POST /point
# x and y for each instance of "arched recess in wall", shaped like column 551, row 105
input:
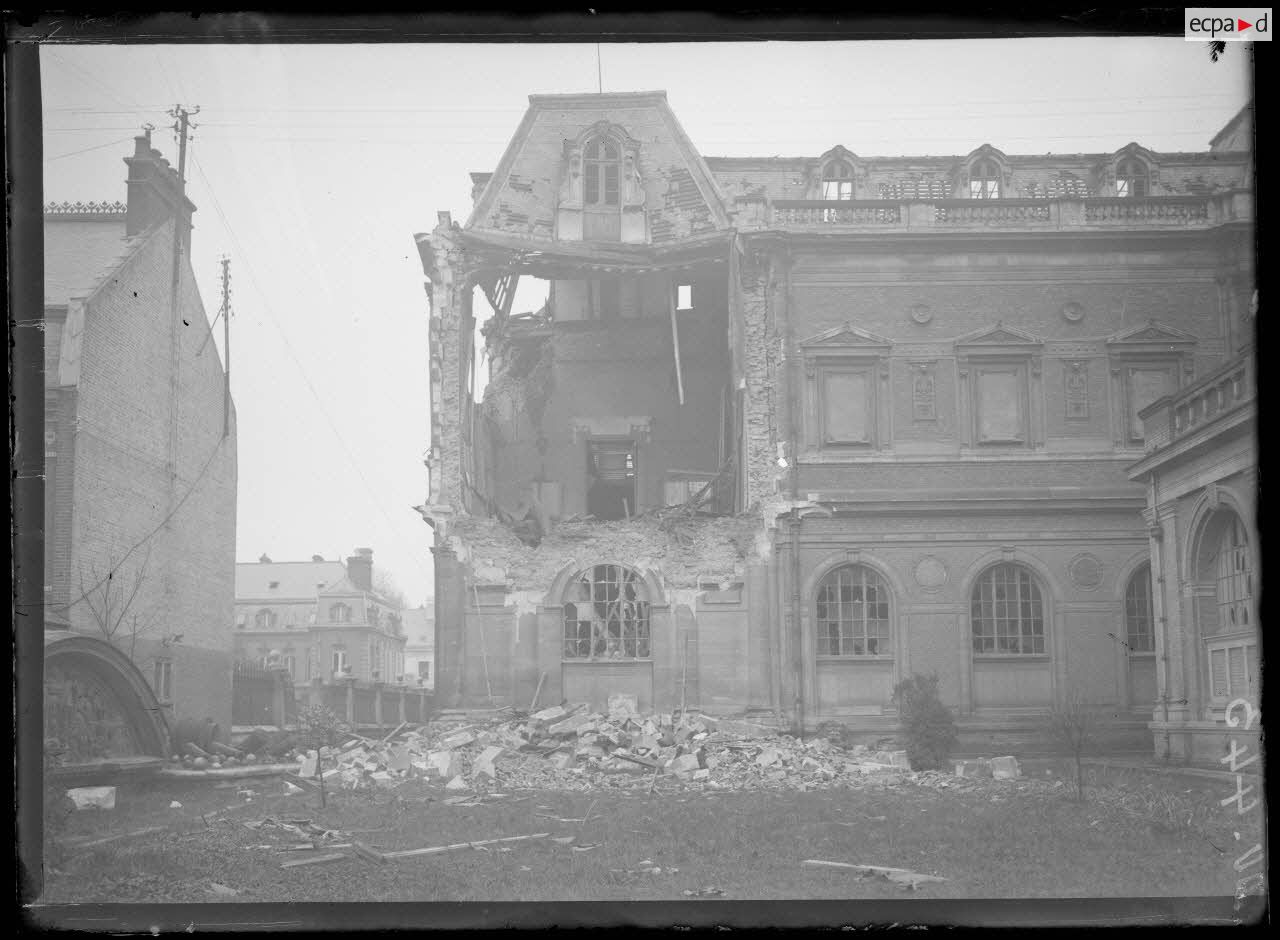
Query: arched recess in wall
column 1221, row 565
column 849, row 598
column 1012, row 631
column 1135, row 630
column 96, row 703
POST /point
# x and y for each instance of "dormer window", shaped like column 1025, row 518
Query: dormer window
column 837, row 181
column 264, row 619
column 602, row 167
column 339, row 613
column 984, row 180
column 1132, row 179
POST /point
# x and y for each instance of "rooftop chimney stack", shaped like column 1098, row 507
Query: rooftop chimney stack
column 154, row 191
column 360, row 569
column 317, row 558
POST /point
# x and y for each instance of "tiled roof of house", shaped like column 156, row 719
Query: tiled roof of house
column 296, row 580
column 80, row 251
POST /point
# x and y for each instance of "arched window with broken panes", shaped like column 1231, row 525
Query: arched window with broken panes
column 1132, row 178
column 852, row 608
column 1007, row 613
column 984, row 179
column 837, row 180
column 606, row 615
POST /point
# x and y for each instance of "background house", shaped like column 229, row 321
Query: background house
column 323, row 619
column 893, row 400
column 140, row 452
column 420, row 644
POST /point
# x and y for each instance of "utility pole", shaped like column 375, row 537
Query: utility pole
column 226, row 346
column 182, row 126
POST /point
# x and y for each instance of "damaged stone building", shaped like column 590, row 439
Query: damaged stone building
column 788, row 430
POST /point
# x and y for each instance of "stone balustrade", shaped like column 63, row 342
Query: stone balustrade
column 1175, row 416
column 1067, row 213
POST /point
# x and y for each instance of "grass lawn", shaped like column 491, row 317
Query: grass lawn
column 996, row 839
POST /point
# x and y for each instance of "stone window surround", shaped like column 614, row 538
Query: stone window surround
column 999, row 352
column 847, row 350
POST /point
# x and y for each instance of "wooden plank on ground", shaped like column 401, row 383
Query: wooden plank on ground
column 436, row 850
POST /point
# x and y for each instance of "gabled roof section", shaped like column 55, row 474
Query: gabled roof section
column 296, row 580
column 81, row 251
column 1135, row 149
column 847, row 337
column 682, row 199
column 998, row 336
column 1152, row 335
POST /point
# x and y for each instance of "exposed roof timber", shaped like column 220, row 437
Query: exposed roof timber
column 517, row 254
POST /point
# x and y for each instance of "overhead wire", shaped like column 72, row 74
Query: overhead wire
column 195, row 162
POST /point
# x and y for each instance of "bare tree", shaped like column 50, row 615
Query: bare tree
column 113, row 602
column 1072, row 725
column 385, row 586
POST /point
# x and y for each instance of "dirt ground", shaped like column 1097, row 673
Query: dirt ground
column 1137, row 835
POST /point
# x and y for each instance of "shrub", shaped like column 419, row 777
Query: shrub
column 927, row 723
column 1072, row 726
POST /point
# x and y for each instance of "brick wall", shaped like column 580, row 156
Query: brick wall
column 122, row 489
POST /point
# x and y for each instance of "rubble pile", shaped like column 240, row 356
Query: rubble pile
column 569, row 748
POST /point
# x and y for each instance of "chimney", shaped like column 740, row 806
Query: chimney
column 263, row 559
column 360, row 569
column 317, row 558
column 154, row 191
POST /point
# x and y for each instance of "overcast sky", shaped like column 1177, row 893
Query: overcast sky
column 313, row 166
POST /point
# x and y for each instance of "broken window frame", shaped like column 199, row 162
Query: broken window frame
column 984, row 179
column 837, row 181
column 1133, row 179
column 597, row 445
column 607, row 617
column 843, row 601
column 602, row 172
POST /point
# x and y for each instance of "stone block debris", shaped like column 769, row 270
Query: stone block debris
column 569, row 747
column 1005, row 768
column 93, row 797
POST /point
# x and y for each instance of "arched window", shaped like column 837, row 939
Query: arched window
column 606, row 615
column 984, row 179
column 1131, row 178
column 340, row 613
column 1008, row 612
column 602, row 168
column 837, row 180
column 853, row 613
column 264, row 619
column 1234, row 579
column 1138, row 622
column 1231, row 643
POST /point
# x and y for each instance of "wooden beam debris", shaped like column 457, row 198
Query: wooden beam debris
column 436, row 850
column 297, row 862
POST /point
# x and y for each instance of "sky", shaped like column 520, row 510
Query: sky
column 312, row 166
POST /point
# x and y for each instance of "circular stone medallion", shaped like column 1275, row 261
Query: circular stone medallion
column 921, row 313
column 930, row 573
column 1085, row 571
column 1073, row 311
